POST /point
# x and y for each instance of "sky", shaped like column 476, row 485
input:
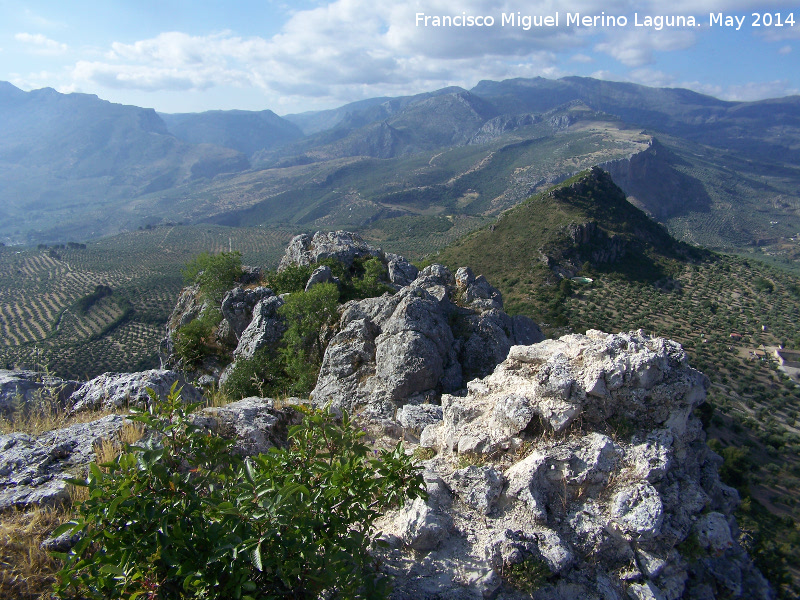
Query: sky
column 190, row 56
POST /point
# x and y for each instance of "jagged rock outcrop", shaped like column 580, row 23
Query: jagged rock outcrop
column 589, row 466
column 237, row 307
column 21, row 388
column 413, row 346
column 343, row 246
column 401, row 272
column 33, row 468
column 265, row 328
column 189, row 306
column 321, row 274
column 111, row 391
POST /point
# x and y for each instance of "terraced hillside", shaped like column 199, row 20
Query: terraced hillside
column 52, row 316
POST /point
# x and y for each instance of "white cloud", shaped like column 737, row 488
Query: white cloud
column 636, row 48
column 759, row 91
column 785, row 50
column 41, row 44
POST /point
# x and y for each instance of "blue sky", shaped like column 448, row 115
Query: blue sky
column 188, row 56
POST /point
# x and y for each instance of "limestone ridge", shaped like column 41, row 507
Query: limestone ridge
column 588, row 462
column 425, row 340
column 435, row 333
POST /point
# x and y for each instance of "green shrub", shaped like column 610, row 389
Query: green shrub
column 187, row 519
column 290, row 280
column 215, row 273
column 195, row 340
column 310, row 317
column 262, row 375
column 528, row 575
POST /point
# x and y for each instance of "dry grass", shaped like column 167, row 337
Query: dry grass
column 107, row 450
column 44, row 414
column 26, row 571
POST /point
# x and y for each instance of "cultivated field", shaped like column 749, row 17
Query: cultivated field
column 48, row 319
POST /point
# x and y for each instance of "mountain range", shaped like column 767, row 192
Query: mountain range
column 716, row 173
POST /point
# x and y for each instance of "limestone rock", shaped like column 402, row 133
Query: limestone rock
column 322, row 274
column 637, row 510
column 605, row 507
column 479, row 487
column 238, row 304
column 33, row 468
column 265, row 329
column 253, row 423
column 341, row 245
column 414, row 345
column 415, row 417
column 111, row 391
column 401, row 272
column 389, row 349
column 421, row 528
column 18, row 389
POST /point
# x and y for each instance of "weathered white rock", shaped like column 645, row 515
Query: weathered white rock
column 265, row 329
column 238, row 305
column 637, row 510
column 713, row 531
column 421, row 528
column 19, row 389
column 401, row 272
column 343, row 246
column 415, row 417
column 479, row 487
column 33, row 468
column 111, row 391
column 254, row 424
column 322, row 274
column 607, row 474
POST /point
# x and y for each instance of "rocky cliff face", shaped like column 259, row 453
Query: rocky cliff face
column 589, row 473
column 425, row 340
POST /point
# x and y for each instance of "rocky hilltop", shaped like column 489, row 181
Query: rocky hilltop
column 567, row 468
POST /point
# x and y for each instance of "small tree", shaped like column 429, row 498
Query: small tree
column 310, row 317
column 215, row 273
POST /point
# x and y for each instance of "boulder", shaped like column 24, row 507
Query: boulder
column 20, row 389
column 254, row 423
column 401, row 272
column 389, row 349
column 33, row 468
column 238, row 304
column 415, row 345
column 478, row 487
column 606, row 474
column 265, row 329
column 111, row 391
column 321, row 274
column 343, row 246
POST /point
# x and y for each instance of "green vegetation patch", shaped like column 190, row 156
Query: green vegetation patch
column 188, row 518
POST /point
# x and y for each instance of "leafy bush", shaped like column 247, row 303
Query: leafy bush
column 369, row 279
column 292, row 279
column 186, row 518
column 262, row 375
column 195, row 340
column 215, row 273
column 310, row 317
